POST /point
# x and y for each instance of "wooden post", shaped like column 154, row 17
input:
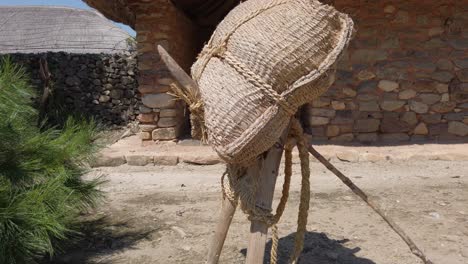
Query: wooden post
column 227, row 213
column 217, row 241
column 264, row 199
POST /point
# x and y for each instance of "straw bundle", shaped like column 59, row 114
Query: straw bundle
column 265, row 60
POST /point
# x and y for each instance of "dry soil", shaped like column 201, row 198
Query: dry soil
column 167, row 215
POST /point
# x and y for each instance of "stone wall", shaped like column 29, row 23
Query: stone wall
column 103, row 86
column 158, row 22
column 404, row 77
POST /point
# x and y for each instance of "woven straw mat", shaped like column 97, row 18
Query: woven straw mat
column 265, row 60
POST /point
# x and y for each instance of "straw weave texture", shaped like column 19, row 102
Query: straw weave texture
column 265, row 60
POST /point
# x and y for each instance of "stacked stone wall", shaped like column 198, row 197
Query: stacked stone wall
column 102, row 86
column 158, row 22
column 404, row 77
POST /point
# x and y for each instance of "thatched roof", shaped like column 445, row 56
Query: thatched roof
column 35, row 29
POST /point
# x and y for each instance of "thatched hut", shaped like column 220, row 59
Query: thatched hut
column 91, row 60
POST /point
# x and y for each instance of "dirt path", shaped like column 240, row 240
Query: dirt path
column 167, row 214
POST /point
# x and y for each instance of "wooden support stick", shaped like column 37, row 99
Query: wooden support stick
column 217, row 241
column 264, row 199
column 227, row 213
column 414, row 249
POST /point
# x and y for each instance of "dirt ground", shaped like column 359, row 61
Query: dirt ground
column 167, row 215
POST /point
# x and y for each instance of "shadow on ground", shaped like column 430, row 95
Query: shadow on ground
column 318, row 249
column 99, row 237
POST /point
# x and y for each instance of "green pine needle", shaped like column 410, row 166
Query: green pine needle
column 41, row 190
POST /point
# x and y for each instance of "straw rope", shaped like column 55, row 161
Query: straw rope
column 257, row 81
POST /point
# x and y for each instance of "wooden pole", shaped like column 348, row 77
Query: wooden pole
column 227, row 213
column 372, row 204
column 264, row 199
column 217, row 241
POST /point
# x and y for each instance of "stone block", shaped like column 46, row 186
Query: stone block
column 418, row 107
column 116, row 94
column 366, row 115
column 389, row 9
column 394, row 137
column 407, row 94
column 343, row 138
column 367, row 86
column 418, row 138
column 421, row 129
column 320, row 102
column 445, row 64
column 387, row 85
column 107, row 160
column 104, row 98
column 162, row 100
column 459, row 43
column 390, row 42
column 153, row 89
column 333, row 130
column 365, row 75
column 401, row 17
column 423, row 85
column 442, row 76
column 325, row 112
column 365, row 56
column 367, row 137
column 371, row 106
column 425, row 65
column 203, row 159
column 461, row 63
column 429, row 98
column 349, row 92
column 437, row 129
column 434, row 43
column 434, row 31
column 318, row 121
column 165, row 160
column 409, row 118
column 393, row 125
column 391, row 105
column 463, row 75
column 458, row 128
column 367, row 97
column 441, row 87
column 432, row 118
column 167, row 133
column 146, row 118
column 147, row 128
column 337, row 105
column 456, row 116
column 443, row 107
column 317, row 131
column 168, row 113
column 169, row 121
column 366, row 125
column 139, row 160
column 145, row 135
column 144, row 110
column 445, row 97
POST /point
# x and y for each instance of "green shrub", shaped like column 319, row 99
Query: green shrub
column 41, row 190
